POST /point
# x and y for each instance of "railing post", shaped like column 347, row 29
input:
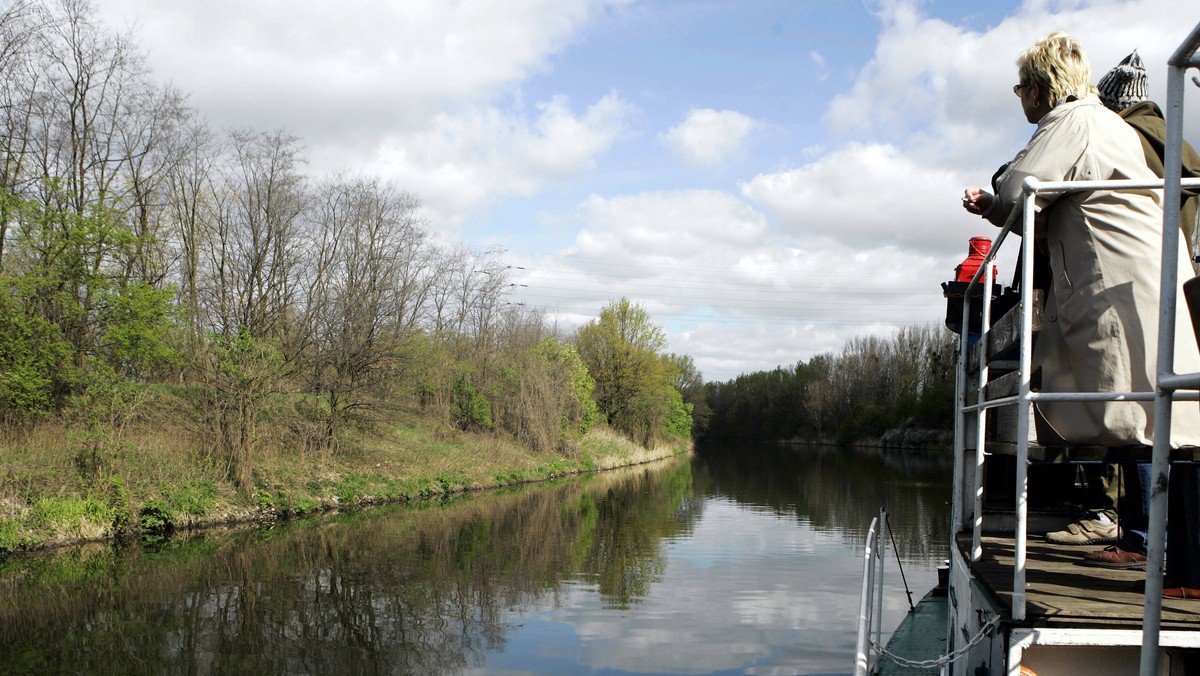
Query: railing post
column 862, row 657
column 881, row 540
column 1178, row 64
column 957, row 499
column 981, row 415
column 1021, row 490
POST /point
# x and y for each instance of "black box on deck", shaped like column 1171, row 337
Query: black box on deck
column 954, row 291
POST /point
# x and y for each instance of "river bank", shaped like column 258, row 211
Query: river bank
column 904, row 437
column 154, row 474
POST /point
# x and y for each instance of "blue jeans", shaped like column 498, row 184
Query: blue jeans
column 1135, row 517
column 1183, row 520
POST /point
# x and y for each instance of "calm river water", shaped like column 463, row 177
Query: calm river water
column 739, row 561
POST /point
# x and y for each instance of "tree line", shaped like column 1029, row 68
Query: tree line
column 140, row 246
column 875, row 385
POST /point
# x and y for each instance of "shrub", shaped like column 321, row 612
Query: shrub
column 468, row 408
column 154, row 517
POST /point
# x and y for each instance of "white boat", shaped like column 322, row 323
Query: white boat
column 1014, row 604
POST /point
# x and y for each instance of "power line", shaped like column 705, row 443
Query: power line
column 747, row 285
column 770, row 321
column 608, row 262
column 752, row 304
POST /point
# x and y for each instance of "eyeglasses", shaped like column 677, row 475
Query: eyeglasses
column 1018, row 87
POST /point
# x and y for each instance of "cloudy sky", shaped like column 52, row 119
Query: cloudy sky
column 766, row 177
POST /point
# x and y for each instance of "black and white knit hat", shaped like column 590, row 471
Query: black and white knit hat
column 1124, row 85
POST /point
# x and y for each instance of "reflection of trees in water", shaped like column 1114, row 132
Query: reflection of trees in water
column 391, row 590
column 839, row 489
column 422, row 588
column 625, row 555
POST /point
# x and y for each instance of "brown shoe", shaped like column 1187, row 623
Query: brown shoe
column 1190, row 593
column 1115, row 557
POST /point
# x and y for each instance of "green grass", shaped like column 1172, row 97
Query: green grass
column 11, row 535
column 170, row 475
column 72, row 516
column 194, row 497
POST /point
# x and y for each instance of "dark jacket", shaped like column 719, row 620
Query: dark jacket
column 1147, row 118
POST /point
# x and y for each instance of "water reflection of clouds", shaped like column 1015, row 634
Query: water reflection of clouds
column 729, row 532
column 749, row 591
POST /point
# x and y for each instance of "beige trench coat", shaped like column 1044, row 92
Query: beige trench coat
column 1101, row 328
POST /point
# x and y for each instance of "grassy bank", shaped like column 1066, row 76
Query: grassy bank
column 66, row 483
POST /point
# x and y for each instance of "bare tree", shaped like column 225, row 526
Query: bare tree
column 254, row 257
column 253, row 268
column 444, row 274
column 90, row 73
column 416, row 271
column 154, row 140
column 70, row 90
column 18, row 82
column 190, row 202
column 363, row 232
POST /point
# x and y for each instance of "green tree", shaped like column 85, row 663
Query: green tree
column 469, row 409
column 35, row 359
column 138, row 335
column 243, row 371
column 690, row 383
column 875, row 384
column 635, row 386
column 64, row 311
column 562, row 359
column 620, row 350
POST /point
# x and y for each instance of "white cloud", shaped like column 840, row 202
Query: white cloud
column 460, row 162
column 708, row 137
column 347, row 68
column 564, row 143
column 730, row 290
column 819, row 63
column 867, row 196
column 663, row 250
column 927, row 74
column 404, row 88
column 683, row 225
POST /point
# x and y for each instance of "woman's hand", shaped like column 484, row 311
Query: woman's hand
column 977, row 201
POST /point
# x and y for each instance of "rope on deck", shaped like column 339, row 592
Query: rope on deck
column 984, row 632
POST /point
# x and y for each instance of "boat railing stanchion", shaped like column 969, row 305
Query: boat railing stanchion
column 981, row 412
column 881, row 538
column 1021, row 490
column 862, row 657
column 1185, row 57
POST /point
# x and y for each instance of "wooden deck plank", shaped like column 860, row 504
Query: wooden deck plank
column 1062, row 592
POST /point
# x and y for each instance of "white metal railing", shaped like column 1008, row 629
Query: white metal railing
column 1170, row 386
column 870, row 602
column 1025, row 397
column 1177, row 65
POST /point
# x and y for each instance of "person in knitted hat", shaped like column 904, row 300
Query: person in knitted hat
column 1123, row 90
column 1124, row 85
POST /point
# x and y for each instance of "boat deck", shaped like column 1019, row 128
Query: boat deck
column 922, row 636
column 1062, row 592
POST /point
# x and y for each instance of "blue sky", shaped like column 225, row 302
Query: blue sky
column 768, row 178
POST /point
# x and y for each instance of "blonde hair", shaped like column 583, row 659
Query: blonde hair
column 1059, row 67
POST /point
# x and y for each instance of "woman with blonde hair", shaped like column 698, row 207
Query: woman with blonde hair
column 1101, row 316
